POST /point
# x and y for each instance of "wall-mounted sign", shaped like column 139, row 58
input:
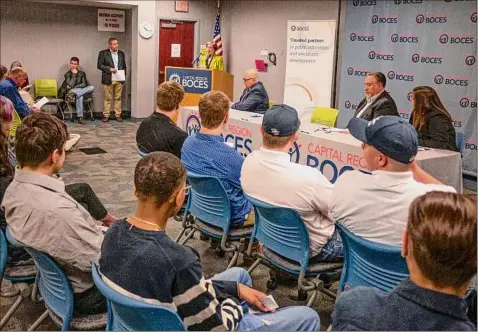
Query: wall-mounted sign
column 181, row 6
column 111, row 20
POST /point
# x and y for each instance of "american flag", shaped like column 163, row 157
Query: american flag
column 217, row 31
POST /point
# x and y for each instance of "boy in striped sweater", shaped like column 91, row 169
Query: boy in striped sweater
column 139, row 260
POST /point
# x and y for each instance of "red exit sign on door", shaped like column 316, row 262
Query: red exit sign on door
column 181, row 6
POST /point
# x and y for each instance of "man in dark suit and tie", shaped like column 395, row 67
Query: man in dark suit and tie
column 254, row 98
column 110, row 61
column 377, row 101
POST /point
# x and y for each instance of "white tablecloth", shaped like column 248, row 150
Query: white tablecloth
column 332, row 152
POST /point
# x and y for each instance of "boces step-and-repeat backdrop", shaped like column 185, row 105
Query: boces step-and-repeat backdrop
column 414, row 42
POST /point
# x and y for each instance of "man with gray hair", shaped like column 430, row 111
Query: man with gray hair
column 254, row 98
column 9, row 89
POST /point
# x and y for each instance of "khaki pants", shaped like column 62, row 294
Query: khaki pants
column 115, row 88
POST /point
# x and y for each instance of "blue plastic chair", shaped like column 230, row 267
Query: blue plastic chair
column 128, row 314
column 55, row 288
column 460, row 139
column 286, row 247
column 210, row 207
column 370, row 264
column 20, row 277
column 141, row 153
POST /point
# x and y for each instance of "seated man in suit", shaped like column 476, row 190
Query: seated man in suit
column 76, row 86
column 377, row 101
column 254, row 98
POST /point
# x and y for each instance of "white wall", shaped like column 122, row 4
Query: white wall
column 249, row 26
column 45, row 43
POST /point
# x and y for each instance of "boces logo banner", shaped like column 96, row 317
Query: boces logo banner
column 413, row 43
column 193, row 81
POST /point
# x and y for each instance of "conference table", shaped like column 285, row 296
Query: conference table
column 333, row 151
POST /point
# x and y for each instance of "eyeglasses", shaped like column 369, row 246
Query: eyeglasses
column 247, row 79
column 187, row 189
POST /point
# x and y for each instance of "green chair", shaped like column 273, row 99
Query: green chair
column 325, row 116
column 47, row 87
column 15, row 124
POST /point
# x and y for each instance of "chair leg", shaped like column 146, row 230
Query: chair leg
column 254, row 265
column 188, row 236
column 180, row 235
column 11, row 311
column 38, row 321
column 35, row 289
column 233, row 261
column 312, row 298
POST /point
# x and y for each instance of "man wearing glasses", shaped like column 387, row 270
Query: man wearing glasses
column 254, row 98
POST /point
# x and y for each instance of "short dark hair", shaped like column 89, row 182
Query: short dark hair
column 111, row 39
column 274, row 142
column 157, row 176
column 442, row 227
column 169, row 95
column 380, row 77
column 74, row 58
column 37, row 137
column 213, row 107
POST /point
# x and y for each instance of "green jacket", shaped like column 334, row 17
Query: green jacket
column 216, row 63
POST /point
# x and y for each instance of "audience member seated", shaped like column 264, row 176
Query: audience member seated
column 213, row 61
column 206, row 153
column 159, row 131
column 377, row 101
column 254, row 98
column 41, row 214
column 9, row 88
column 269, row 175
column 17, row 64
column 375, row 206
column 3, row 72
column 75, row 87
column 439, row 246
column 431, row 120
column 171, row 274
column 16, row 256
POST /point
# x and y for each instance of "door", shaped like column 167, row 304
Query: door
column 176, row 45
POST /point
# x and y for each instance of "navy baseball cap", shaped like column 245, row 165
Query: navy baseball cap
column 281, row 120
column 391, row 135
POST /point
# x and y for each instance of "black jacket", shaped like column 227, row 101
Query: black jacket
column 105, row 62
column 383, row 105
column 253, row 99
column 437, row 132
column 71, row 82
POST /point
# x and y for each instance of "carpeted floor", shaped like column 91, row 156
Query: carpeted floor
column 111, row 176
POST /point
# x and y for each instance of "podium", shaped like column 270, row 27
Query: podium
column 197, row 81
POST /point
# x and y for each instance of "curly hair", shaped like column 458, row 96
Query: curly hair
column 157, row 176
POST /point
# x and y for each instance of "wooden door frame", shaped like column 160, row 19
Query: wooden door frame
column 197, row 24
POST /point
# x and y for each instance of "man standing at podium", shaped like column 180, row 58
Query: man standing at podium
column 254, row 98
column 213, row 61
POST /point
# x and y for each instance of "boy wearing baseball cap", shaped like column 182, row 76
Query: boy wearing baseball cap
column 269, row 176
column 375, row 206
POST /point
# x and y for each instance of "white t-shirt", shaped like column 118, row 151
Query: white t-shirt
column 375, row 206
column 271, row 177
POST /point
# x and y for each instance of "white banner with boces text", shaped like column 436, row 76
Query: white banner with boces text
column 310, row 64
